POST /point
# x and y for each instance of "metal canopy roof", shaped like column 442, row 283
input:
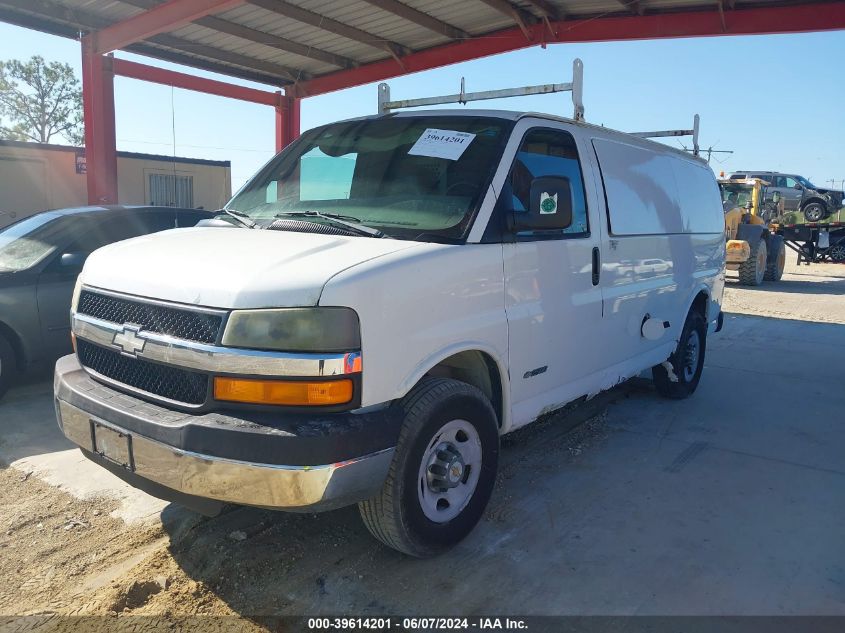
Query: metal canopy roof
column 322, row 45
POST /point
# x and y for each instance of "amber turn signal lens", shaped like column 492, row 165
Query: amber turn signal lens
column 293, row 393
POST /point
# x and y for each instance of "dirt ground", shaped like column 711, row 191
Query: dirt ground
column 61, row 555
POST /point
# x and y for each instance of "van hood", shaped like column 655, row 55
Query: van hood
column 231, row 267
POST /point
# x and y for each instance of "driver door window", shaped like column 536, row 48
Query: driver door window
column 547, row 153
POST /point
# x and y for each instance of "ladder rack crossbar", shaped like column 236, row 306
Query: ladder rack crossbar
column 385, row 105
column 660, row 133
column 478, row 96
column 664, row 133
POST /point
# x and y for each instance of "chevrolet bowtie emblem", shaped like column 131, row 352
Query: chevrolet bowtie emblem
column 128, row 341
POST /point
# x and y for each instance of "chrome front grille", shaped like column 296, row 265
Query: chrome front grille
column 202, row 327
column 172, row 383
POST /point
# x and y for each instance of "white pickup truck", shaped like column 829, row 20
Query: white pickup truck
column 384, row 300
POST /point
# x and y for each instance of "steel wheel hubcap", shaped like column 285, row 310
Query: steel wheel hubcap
column 691, row 352
column 449, row 471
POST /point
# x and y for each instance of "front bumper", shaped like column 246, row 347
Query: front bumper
column 294, row 462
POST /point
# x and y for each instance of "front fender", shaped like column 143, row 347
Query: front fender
column 432, row 360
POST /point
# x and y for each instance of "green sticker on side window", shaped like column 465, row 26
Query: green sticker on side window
column 548, row 203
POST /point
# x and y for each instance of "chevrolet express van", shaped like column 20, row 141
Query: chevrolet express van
column 384, row 300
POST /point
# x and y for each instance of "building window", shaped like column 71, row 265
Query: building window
column 169, row 190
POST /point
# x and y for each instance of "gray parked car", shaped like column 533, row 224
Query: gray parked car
column 798, row 193
column 40, row 258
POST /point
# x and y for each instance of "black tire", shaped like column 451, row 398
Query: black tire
column 686, row 381
column 8, row 365
column 753, row 270
column 837, row 252
column 814, row 212
column 396, row 516
column 777, row 259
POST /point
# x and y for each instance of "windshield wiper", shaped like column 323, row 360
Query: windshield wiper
column 240, row 216
column 336, row 218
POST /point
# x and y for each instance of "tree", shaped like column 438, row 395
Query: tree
column 39, row 100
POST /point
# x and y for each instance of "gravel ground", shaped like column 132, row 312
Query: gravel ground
column 806, row 293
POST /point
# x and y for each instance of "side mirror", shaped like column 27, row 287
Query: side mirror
column 72, row 260
column 549, row 205
column 797, row 186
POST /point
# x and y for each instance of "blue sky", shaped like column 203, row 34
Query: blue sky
column 777, row 101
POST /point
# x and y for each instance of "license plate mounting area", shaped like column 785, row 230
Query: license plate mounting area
column 113, row 445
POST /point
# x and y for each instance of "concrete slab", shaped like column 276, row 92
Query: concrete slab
column 31, row 442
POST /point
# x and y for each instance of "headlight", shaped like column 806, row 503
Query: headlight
column 294, row 330
column 74, row 301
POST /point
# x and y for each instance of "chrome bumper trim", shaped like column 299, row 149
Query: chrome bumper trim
column 321, row 487
column 212, row 358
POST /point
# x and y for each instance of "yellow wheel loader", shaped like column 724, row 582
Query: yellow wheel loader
column 753, row 250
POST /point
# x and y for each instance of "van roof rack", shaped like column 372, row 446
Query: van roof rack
column 576, row 87
column 662, row 133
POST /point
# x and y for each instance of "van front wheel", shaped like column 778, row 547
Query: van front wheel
column 442, row 473
column 678, row 377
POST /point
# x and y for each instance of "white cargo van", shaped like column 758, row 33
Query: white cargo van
column 384, row 300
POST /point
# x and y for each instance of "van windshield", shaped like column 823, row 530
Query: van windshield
column 411, row 177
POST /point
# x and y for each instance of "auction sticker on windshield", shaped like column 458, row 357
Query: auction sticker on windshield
column 448, row 144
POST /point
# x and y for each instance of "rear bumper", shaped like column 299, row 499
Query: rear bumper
column 298, row 462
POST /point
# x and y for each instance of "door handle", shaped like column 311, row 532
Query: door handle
column 596, row 266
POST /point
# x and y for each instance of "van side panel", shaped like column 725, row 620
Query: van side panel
column 650, row 192
column 701, row 202
column 640, row 187
column 664, row 243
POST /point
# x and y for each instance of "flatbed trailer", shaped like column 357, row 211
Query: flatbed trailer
column 815, row 242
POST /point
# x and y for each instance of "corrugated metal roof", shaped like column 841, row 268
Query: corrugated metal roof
column 280, row 42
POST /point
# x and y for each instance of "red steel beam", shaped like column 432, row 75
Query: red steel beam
column 98, row 112
column 164, row 17
column 287, row 120
column 125, row 68
column 817, row 16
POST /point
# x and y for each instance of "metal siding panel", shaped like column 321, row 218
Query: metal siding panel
column 472, row 16
column 281, row 26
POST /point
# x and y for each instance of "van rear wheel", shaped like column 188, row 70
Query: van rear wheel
column 678, row 377
column 442, row 473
